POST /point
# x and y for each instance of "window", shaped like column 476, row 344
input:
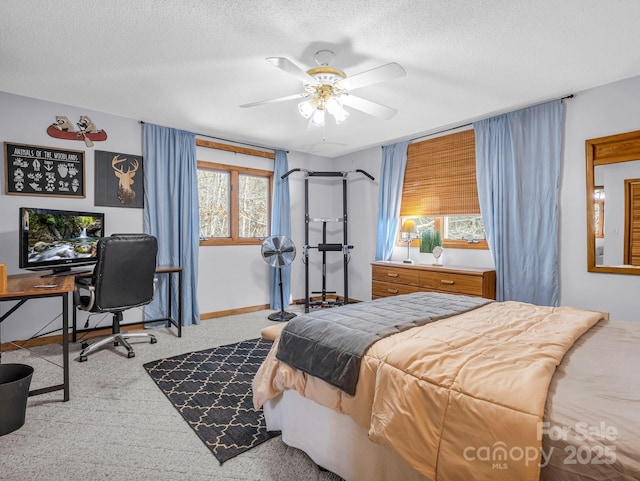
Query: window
column 235, row 204
column 440, row 190
column 459, row 231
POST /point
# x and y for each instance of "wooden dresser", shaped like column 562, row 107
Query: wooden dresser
column 394, row 278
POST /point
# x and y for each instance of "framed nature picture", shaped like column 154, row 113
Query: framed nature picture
column 38, row 170
column 119, row 180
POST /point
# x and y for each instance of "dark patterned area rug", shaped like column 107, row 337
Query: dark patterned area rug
column 212, row 391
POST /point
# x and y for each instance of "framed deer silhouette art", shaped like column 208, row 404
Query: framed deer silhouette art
column 119, row 180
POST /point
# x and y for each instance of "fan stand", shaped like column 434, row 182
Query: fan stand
column 281, row 316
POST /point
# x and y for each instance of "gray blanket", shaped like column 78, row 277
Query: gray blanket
column 329, row 344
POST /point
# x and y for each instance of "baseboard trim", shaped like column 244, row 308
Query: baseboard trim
column 231, row 312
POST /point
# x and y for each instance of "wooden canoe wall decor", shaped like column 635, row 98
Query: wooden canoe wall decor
column 62, row 128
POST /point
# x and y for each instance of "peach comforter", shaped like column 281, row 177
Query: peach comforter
column 460, row 398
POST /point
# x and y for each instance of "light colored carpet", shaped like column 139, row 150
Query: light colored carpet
column 119, row 426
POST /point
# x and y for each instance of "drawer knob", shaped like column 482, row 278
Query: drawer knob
column 447, row 283
column 392, row 274
column 392, row 291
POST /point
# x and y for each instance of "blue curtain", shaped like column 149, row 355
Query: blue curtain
column 280, row 225
column 518, row 172
column 394, row 162
column 171, row 214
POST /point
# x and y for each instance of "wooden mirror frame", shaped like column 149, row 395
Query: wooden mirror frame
column 603, row 151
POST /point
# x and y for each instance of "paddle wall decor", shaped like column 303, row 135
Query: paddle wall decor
column 62, row 128
column 37, row 170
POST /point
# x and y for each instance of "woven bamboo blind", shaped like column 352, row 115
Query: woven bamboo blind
column 440, row 177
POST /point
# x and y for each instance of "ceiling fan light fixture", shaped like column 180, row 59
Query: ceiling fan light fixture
column 333, row 105
column 340, row 115
column 317, row 119
column 307, row 108
column 326, row 89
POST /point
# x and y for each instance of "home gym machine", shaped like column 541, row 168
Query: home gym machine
column 325, row 247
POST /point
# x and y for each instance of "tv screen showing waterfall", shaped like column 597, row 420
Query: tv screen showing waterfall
column 58, row 239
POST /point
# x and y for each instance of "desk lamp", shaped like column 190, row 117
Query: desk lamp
column 408, row 229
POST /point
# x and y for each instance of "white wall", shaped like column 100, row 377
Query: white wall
column 25, row 120
column 598, row 112
column 236, row 276
column 231, row 276
column 607, row 110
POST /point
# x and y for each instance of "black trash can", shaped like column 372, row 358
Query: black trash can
column 14, row 391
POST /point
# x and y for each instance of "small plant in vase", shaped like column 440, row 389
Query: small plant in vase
column 431, row 243
column 429, row 238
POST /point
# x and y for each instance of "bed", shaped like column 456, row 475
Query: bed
column 577, row 422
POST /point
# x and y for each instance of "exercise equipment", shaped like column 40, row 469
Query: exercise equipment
column 324, row 246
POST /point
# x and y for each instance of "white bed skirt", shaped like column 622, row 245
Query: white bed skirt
column 334, row 441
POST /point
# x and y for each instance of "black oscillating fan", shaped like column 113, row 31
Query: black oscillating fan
column 278, row 251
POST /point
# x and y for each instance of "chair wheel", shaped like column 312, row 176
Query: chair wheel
column 82, row 358
column 85, row 345
column 153, row 340
column 131, row 354
column 116, row 343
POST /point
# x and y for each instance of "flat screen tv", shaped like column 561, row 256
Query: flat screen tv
column 58, row 239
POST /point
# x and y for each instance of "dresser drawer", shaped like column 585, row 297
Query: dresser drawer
column 450, row 282
column 392, row 279
column 385, row 289
column 395, row 275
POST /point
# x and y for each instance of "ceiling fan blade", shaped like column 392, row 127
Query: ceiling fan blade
column 368, row 107
column 373, row 76
column 279, row 99
column 292, row 69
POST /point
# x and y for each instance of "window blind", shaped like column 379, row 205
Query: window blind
column 440, row 177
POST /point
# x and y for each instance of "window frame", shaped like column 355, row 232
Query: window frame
column 442, row 153
column 448, row 243
column 234, row 212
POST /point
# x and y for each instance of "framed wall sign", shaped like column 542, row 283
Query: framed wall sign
column 119, row 180
column 37, row 170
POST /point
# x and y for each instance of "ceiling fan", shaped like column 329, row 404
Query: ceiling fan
column 328, row 90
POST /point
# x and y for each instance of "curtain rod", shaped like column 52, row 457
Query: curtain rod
column 570, row 96
column 234, row 141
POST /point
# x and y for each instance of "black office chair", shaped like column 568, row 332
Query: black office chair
column 123, row 278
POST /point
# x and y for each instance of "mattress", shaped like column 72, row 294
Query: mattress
column 592, row 414
column 590, row 431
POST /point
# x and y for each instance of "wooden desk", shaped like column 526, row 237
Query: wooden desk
column 24, row 287
column 170, row 271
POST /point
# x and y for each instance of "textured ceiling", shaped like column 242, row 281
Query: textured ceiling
column 190, row 64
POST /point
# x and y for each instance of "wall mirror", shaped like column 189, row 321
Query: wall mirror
column 613, row 204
